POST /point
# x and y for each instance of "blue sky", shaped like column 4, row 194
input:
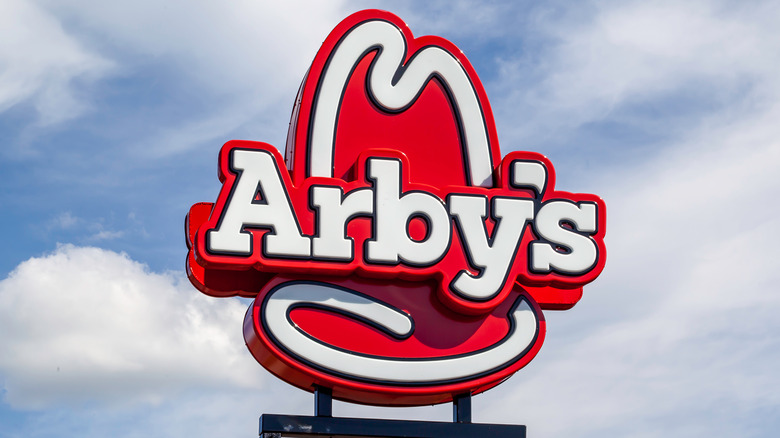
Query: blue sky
column 111, row 117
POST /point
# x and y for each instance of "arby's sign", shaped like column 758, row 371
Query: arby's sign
column 392, row 254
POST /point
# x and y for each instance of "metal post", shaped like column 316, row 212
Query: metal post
column 323, row 402
column 461, row 408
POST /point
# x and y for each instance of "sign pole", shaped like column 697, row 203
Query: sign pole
column 461, row 408
column 323, row 402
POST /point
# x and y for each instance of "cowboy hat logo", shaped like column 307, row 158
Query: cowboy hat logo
column 393, row 256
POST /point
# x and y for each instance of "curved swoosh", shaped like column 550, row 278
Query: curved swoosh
column 282, row 299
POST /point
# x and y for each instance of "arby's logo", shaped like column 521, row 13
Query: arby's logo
column 394, row 257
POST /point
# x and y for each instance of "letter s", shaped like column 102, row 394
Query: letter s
column 570, row 249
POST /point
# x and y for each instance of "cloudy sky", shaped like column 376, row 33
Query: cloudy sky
column 111, row 117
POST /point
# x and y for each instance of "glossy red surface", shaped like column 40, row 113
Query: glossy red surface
column 427, row 139
column 438, row 332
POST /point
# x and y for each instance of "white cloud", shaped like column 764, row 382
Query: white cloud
column 607, row 56
column 228, row 46
column 242, row 61
column 41, row 63
column 87, row 325
column 64, row 220
column 244, row 58
column 106, row 235
column 92, row 230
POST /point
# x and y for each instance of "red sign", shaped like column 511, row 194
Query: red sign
column 394, row 257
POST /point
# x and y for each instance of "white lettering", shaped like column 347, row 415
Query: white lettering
column 258, row 199
column 391, row 216
column 493, row 257
column 333, row 214
column 579, row 254
column 258, row 173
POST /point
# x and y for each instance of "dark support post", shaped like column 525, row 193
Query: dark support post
column 323, row 402
column 461, row 408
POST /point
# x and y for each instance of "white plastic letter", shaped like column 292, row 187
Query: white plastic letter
column 581, row 251
column 257, row 171
column 492, row 256
column 333, row 214
column 391, row 241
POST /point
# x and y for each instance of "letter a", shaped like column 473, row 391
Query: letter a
column 258, row 173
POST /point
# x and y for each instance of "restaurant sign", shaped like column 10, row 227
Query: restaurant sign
column 393, row 256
